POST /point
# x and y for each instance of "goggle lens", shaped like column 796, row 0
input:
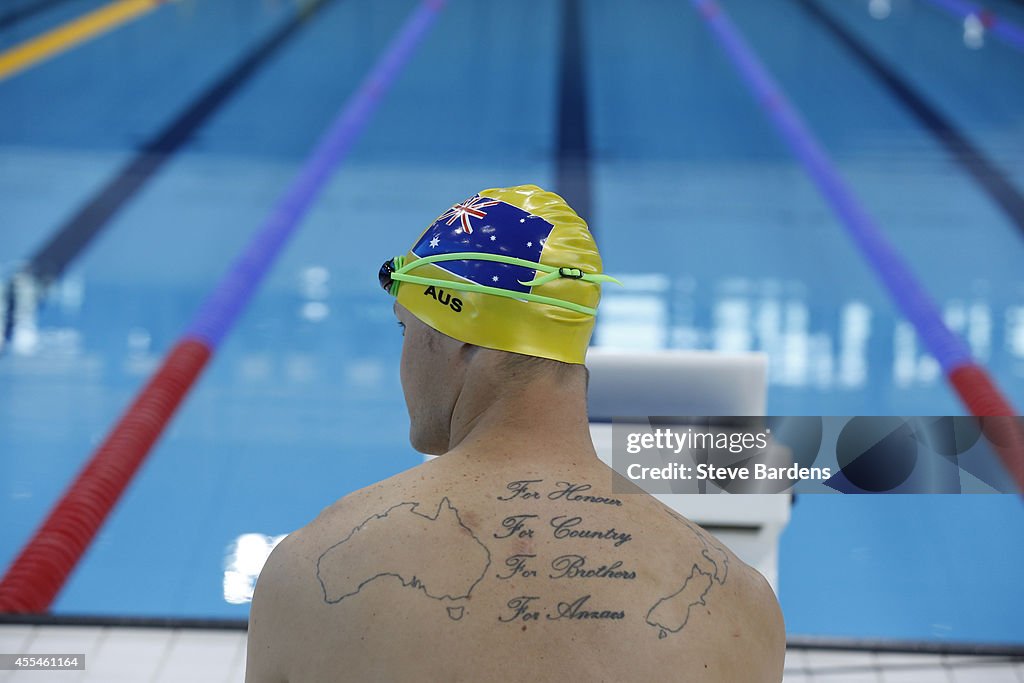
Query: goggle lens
column 384, row 275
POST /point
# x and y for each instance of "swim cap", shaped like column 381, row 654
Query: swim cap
column 513, row 269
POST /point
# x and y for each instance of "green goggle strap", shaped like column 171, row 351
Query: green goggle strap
column 401, row 274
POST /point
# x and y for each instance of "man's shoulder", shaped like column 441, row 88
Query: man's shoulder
column 355, row 516
column 294, row 588
column 749, row 608
column 348, row 510
column 301, row 549
column 757, row 617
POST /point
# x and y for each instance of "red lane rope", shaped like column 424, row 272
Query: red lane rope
column 998, row 418
column 38, row 573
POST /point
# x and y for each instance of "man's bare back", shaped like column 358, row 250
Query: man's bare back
column 462, row 569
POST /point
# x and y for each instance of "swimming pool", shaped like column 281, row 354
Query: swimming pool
column 695, row 201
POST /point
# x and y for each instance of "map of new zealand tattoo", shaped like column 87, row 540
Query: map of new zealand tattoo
column 452, row 563
column 671, row 613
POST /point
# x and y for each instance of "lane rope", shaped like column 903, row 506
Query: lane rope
column 972, row 383
column 36, row 576
column 75, row 32
column 95, row 215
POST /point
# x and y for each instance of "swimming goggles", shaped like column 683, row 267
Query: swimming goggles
column 395, row 271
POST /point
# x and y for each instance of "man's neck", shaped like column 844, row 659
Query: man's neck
column 542, row 419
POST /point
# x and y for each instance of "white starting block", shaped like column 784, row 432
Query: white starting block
column 694, row 383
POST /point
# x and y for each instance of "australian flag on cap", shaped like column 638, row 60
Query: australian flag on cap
column 487, row 225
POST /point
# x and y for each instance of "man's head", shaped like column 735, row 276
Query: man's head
column 501, row 288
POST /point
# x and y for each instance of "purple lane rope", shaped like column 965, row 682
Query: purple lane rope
column 903, row 286
column 220, row 310
column 43, row 566
column 976, row 388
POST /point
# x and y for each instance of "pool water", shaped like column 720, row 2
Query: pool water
column 697, row 205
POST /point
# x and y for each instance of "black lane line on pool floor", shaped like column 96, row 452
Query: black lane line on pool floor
column 572, row 169
column 76, row 233
column 995, row 182
column 22, row 13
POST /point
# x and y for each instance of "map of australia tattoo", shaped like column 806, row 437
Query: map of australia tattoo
column 671, row 613
column 452, row 561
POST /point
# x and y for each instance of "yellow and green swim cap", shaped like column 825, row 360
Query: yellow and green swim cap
column 513, row 269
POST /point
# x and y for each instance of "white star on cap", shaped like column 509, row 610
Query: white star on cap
column 493, row 238
column 529, row 244
column 495, row 278
column 434, row 242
